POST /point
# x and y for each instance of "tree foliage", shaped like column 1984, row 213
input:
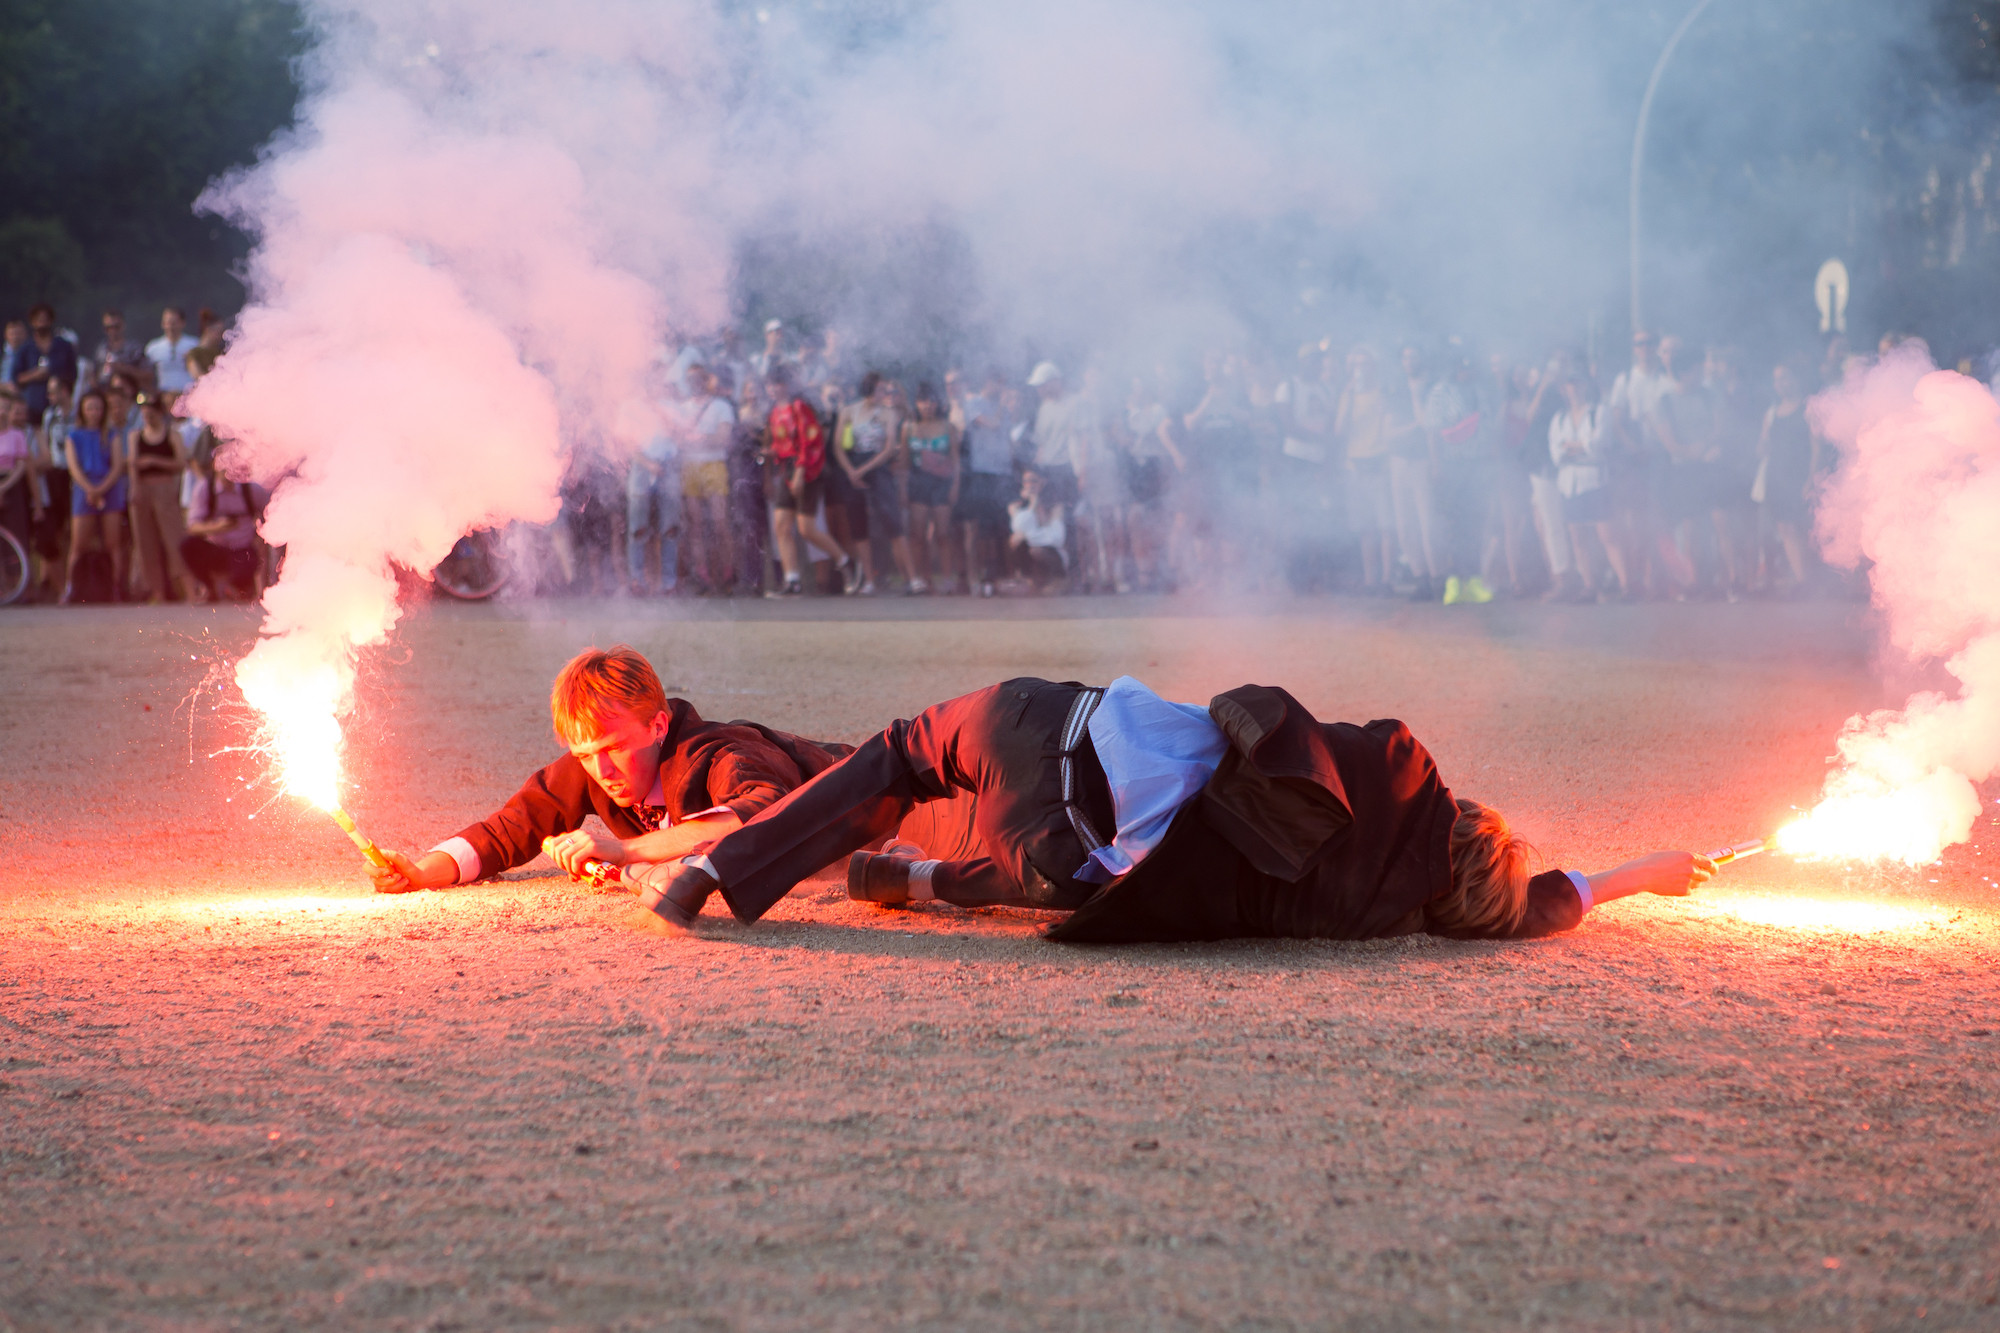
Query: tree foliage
column 114, row 115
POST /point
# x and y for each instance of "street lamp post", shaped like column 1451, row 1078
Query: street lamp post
column 1639, row 143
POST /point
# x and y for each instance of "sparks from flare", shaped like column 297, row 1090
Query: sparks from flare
column 302, row 736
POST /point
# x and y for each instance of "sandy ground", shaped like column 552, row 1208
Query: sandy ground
column 238, row 1091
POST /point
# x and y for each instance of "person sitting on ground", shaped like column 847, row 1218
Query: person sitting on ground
column 661, row 779
column 221, row 551
column 1037, row 546
column 1151, row 820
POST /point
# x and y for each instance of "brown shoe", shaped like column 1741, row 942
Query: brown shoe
column 873, row 878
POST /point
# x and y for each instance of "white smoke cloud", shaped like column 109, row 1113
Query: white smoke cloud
column 1916, row 496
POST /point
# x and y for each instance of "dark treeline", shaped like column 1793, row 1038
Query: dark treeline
column 114, row 115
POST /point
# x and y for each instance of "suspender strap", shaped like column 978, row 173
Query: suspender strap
column 1076, row 730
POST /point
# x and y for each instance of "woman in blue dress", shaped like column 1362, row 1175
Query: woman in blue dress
column 97, row 493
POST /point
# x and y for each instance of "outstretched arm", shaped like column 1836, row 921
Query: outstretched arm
column 1671, row 874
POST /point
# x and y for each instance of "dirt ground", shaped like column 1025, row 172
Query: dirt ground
column 238, row 1091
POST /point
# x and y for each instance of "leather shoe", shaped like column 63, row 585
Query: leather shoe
column 874, row 878
column 674, row 893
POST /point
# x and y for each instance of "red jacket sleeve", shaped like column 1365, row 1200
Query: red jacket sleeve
column 553, row 800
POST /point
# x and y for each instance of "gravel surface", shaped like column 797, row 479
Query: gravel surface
column 236, row 1090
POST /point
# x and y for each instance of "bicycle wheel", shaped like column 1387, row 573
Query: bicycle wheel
column 474, row 570
column 13, row 568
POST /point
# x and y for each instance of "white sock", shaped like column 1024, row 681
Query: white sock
column 920, row 881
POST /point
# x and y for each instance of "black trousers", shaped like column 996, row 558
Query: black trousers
column 976, row 781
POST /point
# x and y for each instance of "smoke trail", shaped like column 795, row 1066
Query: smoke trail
column 1916, row 495
column 430, row 324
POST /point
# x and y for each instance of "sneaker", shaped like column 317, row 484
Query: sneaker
column 986, row 588
column 1475, row 590
column 867, row 588
column 873, row 878
column 850, row 575
column 794, row 588
column 916, row 588
column 1454, row 592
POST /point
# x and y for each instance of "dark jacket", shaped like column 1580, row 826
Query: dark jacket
column 704, row 766
column 1307, row 830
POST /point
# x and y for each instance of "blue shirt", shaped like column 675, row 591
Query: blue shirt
column 1156, row 755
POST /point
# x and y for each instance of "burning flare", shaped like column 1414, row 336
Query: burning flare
column 1918, row 495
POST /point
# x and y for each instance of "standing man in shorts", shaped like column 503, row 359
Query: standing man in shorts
column 707, row 431
column 796, row 480
column 987, row 486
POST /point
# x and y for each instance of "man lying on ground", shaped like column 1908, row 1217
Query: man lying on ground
column 662, row 780
column 1150, row 820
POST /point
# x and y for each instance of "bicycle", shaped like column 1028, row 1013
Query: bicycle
column 14, row 568
column 477, row 567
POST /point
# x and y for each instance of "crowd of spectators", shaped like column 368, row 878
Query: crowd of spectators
column 113, row 494
column 1420, row 470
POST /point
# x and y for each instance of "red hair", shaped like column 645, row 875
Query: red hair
column 598, row 684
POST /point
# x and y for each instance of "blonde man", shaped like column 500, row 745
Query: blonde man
column 661, row 779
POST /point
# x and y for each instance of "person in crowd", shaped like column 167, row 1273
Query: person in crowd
column 1733, row 413
column 986, row 484
column 1638, row 462
column 1100, row 464
column 1303, row 486
column 707, row 422
column 45, row 359
column 1059, row 418
column 98, row 488
column 117, row 359
column 1222, row 447
column 168, row 353
column 589, row 531
column 1694, row 492
column 868, row 457
column 157, row 458
column 653, row 499
column 1535, row 403
column 1509, row 513
column 1361, row 422
column 749, row 514
column 1154, row 470
column 846, row 505
column 1149, row 820
column 1413, row 467
column 1464, row 478
column 20, row 506
column 933, row 446
column 207, row 344
column 1788, row 461
column 1579, row 448
column 827, row 363
column 772, row 355
column 221, row 550
column 1037, row 545
column 795, row 445
column 51, row 473
column 660, row 778
column 13, row 351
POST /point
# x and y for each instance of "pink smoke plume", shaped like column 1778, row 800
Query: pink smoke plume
column 430, row 327
column 1917, row 495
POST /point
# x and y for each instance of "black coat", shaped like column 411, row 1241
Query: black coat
column 1307, row 829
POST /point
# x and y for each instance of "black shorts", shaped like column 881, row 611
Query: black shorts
column 1146, row 479
column 778, row 487
column 925, row 489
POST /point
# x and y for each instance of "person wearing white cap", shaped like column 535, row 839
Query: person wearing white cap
column 773, row 356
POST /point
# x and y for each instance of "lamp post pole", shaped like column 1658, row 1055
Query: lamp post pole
column 1639, row 144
